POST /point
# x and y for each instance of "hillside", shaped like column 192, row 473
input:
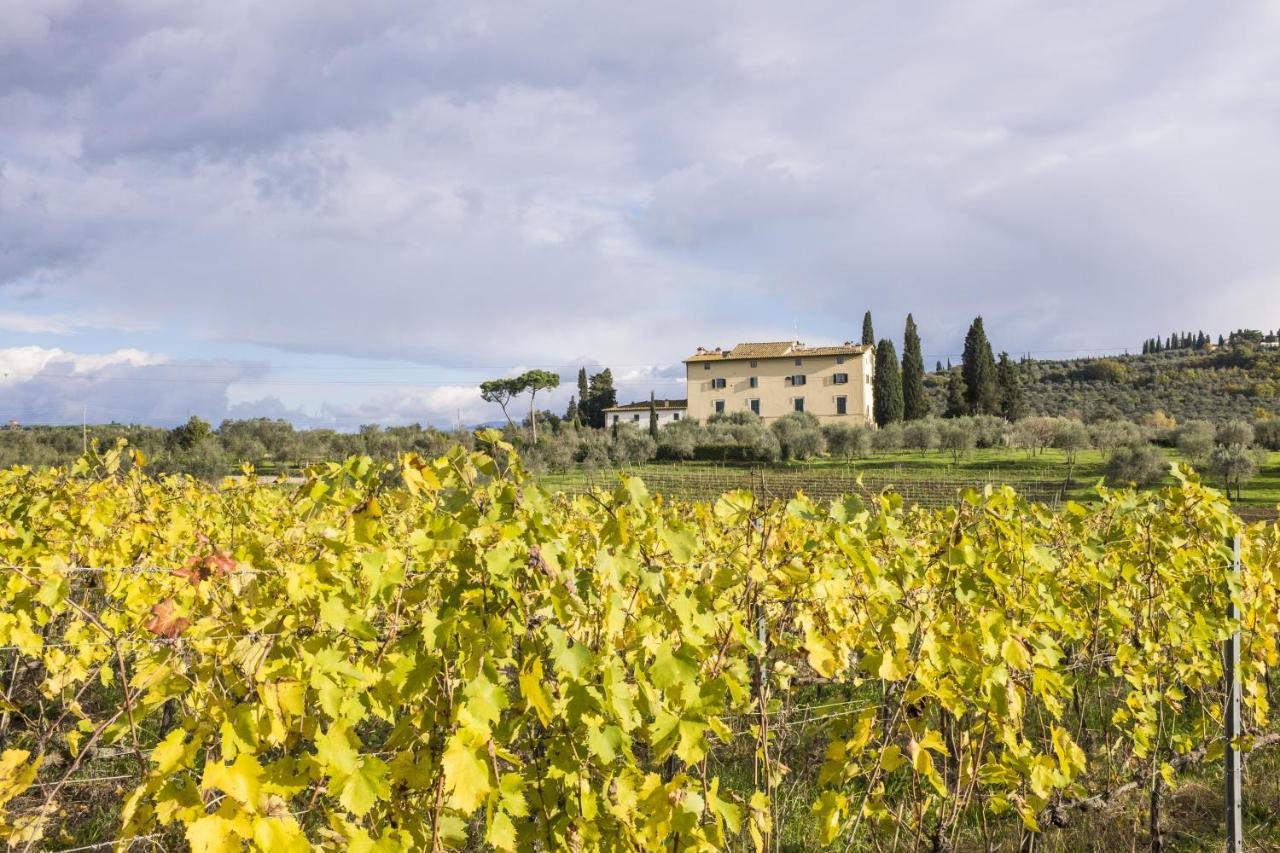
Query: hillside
column 1186, row 384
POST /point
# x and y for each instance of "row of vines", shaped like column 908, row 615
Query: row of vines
column 440, row 655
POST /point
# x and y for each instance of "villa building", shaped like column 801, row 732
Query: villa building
column 773, row 379
column 669, row 411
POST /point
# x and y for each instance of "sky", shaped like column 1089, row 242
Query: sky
column 345, row 213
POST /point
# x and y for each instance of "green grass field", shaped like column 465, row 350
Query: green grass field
column 990, row 465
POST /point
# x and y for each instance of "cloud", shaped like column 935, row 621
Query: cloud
column 52, row 386
column 480, row 186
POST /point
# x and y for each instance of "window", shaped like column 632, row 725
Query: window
column 799, row 361
column 754, row 405
column 635, row 418
column 754, row 382
column 675, row 416
column 842, row 405
column 753, row 363
column 797, row 379
column 719, row 407
column 840, row 378
column 718, row 382
column 615, row 419
column 839, row 359
column 706, row 365
column 799, row 403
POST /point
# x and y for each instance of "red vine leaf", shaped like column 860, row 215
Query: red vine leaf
column 163, row 621
column 202, row 568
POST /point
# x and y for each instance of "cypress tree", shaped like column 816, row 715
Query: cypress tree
column 1010, row 389
column 571, row 413
column 653, row 417
column 979, row 369
column 938, row 368
column 956, row 405
column 887, row 387
column 915, row 402
column 868, row 334
column 601, row 396
column 584, row 398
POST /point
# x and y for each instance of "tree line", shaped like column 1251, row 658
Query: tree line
column 980, row 386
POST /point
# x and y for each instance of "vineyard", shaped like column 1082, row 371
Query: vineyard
column 440, row 655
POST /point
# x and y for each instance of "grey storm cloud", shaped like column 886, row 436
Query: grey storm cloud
column 489, row 184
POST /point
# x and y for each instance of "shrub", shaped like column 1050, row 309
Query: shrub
column 1159, row 426
column 679, row 440
column 553, row 452
column 204, row 460
column 1140, row 464
column 799, row 436
column 1103, row 370
column 740, row 417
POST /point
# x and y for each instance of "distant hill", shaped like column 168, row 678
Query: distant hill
column 1240, row 382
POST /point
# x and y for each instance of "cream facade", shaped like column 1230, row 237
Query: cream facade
column 668, row 411
column 777, row 378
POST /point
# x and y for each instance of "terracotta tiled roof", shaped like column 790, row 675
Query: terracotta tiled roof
column 773, row 349
column 660, row 405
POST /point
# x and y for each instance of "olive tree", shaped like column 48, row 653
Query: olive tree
column 633, row 446
column 920, row 435
column 1035, row 434
column 1236, row 432
column 1070, row 436
column 799, row 436
column 958, row 437
column 1195, row 439
column 1140, row 464
column 1110, row 434
column 1267, row 433
column 841, row 440
column 1234, row 463
column 887, row 438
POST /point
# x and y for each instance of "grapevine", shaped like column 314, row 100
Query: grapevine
column 438, row 654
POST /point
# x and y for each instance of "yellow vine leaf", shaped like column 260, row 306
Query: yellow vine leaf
column 466, row 772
